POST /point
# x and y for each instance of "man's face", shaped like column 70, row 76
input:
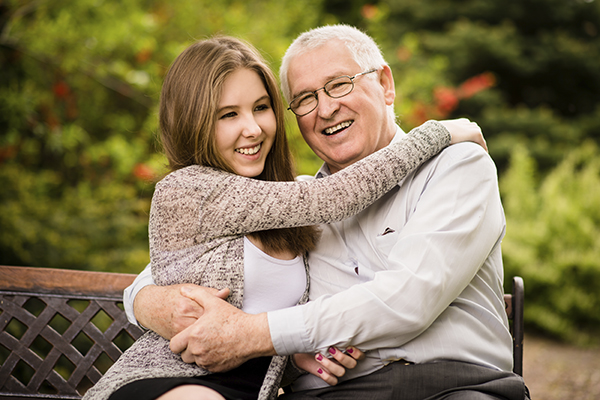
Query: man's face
column 344, row 130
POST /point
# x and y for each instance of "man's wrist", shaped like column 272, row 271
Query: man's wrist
column 152, row 310
column 139, row 306
column 259, row 336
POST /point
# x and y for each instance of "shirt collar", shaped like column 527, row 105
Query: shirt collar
column 324, row 170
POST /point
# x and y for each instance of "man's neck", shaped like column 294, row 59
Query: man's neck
column 330, row 169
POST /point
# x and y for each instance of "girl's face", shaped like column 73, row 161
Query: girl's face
column 246, row 125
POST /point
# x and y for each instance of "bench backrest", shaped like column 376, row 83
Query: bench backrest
column 60, row 330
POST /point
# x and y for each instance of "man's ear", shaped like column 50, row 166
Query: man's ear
column 386, row 80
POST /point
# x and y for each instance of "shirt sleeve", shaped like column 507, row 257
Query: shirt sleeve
column 455, row 221
column 141, row 281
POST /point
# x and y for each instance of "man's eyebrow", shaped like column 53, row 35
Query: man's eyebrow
column 327, row 79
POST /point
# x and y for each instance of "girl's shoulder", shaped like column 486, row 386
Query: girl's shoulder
column 193, row 176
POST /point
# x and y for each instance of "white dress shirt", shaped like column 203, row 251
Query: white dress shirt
column 416, row 276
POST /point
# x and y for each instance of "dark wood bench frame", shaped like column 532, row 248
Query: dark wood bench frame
column 55, row 290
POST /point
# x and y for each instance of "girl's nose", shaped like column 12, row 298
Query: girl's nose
column 251, row 128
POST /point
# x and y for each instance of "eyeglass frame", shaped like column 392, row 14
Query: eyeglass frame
column 314, row 92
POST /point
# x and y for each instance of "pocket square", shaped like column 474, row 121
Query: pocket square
column 387, row 231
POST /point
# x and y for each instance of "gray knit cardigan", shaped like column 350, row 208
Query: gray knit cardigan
column 198, row 219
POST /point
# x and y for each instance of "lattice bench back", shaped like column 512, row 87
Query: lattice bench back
column 60, row 330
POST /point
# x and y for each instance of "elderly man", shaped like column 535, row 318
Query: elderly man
column 415, row 280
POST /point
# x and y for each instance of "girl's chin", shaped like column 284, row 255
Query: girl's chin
column 249, row 172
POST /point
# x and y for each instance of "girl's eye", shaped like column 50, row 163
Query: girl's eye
column 262, row 107
column 228, row 115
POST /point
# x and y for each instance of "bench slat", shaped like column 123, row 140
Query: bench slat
column 57, row 281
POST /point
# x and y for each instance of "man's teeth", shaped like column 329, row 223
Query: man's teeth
column 249, row 150
column 338, row 127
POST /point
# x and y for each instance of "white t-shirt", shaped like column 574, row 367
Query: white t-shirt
column 270, row 283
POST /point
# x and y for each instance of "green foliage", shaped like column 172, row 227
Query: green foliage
column 542, row 55
column 553, row 241
column 78, row 97
column 101, row 228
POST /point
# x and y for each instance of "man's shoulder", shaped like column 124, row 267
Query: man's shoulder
column 461, row 158
column 465, row 152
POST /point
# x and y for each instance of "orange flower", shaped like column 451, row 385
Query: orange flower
column 476, row 84
column 61, row 89
column 143, row 172
column 369, row 11
column 446, row 100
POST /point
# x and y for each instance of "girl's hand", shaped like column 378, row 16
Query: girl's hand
column 329, row 369
column 463, row 130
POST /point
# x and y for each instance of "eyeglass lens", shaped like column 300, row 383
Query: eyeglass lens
column 335, row 88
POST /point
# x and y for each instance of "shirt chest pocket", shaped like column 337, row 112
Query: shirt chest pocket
column 385, row 241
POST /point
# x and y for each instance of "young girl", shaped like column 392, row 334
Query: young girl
column 221, row 123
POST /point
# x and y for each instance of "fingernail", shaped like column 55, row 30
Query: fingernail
column 332, row 350
column 185, row 290
column 320, row 371
column 319, row 357
column 349, row 350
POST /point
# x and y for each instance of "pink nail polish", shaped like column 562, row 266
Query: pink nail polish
column 320, row 371
column 332, row 350
column 319, row 357
column 349, row 350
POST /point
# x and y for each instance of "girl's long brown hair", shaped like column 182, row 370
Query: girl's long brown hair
column 189, row 101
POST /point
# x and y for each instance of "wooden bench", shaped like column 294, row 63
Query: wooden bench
column 60, row 330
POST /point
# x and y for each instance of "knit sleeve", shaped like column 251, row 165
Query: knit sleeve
column 213, row 203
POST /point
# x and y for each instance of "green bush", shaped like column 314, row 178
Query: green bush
column 103, row 228
column 553, row 241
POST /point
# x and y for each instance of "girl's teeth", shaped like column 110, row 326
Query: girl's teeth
column 249, row 151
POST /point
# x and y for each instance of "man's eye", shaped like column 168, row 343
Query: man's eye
column 338, row 86
column 305, row 99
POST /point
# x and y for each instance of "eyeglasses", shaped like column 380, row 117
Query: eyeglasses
column 338, row 87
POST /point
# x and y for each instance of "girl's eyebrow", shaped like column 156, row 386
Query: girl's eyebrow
column 234, row 107
column 265, row 97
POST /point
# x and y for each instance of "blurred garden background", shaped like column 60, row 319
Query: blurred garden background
column 80, row 82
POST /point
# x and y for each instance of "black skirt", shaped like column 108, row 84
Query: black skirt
column 241, row 383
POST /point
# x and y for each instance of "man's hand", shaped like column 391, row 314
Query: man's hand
column 165, row 311
column 224, row 337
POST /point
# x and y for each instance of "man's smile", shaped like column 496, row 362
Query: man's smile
column 339, row 127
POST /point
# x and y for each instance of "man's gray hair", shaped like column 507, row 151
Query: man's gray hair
column 363, row 48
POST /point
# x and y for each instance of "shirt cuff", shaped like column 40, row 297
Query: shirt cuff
column 288, row 332
column 141, row 281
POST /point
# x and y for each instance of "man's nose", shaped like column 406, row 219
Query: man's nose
column 327, row 106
